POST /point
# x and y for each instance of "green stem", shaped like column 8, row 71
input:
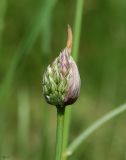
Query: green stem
column 86, row 133
column 76, row 42
column 67, row 119
column 59, row 134
column 77, row 28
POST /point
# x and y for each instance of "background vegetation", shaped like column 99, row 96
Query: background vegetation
column 32, row 33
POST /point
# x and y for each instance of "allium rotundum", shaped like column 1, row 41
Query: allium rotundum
column 61, row 80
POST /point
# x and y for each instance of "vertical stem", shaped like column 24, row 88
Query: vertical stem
column 59, row 134
column 76, row 41
column 77, row 28
column 66, row 127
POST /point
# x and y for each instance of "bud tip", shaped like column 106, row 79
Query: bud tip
column 69, row 39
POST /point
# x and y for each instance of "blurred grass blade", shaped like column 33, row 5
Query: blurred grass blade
column 23, row 123
column 3, row 7
column 23, row 50
column 90, row 130
column 76, row 42
column 47, row 25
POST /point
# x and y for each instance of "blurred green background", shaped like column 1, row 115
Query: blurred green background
column 32, row 33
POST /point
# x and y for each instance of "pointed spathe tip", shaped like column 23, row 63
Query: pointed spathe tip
column 69, row 39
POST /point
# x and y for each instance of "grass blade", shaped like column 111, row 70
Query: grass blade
column 86, row 133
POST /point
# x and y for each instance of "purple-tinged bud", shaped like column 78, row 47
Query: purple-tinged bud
column 61, row 81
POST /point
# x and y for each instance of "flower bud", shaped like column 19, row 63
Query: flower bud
column 61, row 80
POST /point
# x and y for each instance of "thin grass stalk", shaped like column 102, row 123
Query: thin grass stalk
column 90, row 130
column 76, row 42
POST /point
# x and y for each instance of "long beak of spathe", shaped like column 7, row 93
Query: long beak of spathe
column 69, row 39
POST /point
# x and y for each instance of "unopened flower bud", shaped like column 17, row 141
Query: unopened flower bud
column 61, row 80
